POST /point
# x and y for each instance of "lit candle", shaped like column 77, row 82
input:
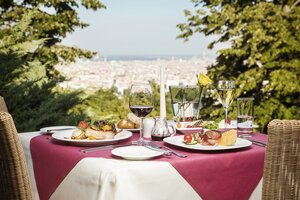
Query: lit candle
column 162, row 92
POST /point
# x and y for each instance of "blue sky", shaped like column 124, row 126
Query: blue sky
column 138, row 27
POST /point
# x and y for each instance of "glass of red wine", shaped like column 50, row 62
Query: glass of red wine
column 141, row 104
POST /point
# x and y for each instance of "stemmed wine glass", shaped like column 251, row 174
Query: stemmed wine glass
column 225, row 95
column 141, row 104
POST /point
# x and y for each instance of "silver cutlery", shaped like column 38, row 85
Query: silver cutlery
column 175, row 152
column 258, row 143
column 107, row 147
column 154, row 146
column 58, row 129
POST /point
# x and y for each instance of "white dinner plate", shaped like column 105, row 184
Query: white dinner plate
column 56, row 128
column 177, row 141
column 65, row 136
column 190, row 129
column 131, row 130
column 136, row 153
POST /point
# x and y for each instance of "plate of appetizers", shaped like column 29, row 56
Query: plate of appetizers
column 199, row 125
column 97, row 133
column 189, row 126
column 233, row 124
column 209, row 141
column 66, row 136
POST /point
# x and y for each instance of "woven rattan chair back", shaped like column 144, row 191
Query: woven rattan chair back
column 3, row 105
column 14, row 178
column 281, row 179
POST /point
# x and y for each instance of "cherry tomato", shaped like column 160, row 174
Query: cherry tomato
column 83, row 124
column 189, row 126
column 187, row 138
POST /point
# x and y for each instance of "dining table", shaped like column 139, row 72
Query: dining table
column 60, row 170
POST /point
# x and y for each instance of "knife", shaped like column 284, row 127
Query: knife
column 107, row 147
column 59, row 129
column 51, row 131
column 262, row 144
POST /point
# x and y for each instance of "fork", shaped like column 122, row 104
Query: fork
column 153, row 146
column 106, row 147
column 258, row 143
column 175, row 152
column 50, row 131
column 168, row 150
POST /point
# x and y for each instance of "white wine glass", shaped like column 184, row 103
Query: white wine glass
column 141, row 104
column 226, row 95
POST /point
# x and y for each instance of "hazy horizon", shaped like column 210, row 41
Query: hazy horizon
column 138, row 28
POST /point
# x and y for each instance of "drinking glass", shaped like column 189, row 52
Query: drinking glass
column 141, row 104
column 245, row 117
column 225, row 95
column 185, row 101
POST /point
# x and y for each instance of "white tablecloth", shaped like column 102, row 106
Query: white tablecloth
column 109, row 179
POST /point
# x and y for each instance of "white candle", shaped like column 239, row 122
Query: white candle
column 162, row 92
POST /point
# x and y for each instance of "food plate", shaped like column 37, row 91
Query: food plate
column 188, row 130
column 65, row 136
column 184, row 128
column 177, row 141
column 233, row 124
column 136, row 153
column 56, row 128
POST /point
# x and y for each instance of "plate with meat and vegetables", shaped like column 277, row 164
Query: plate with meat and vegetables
column 97, row 133
column 209, row 140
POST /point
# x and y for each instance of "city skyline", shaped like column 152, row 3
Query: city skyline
column 138, row 28
column 121, row 74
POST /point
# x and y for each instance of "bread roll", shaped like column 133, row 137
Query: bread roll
column 136, row 126
column 125, row 124
column 131, row 117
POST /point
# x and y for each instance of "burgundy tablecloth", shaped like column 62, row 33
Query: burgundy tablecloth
column 232, row 174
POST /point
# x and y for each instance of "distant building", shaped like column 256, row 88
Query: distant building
column 100, row 73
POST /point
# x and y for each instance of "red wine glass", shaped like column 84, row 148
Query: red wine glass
column 141, row 104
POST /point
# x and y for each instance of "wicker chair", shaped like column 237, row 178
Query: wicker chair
column 281, row 179
column 3, row 105
column 14, row 184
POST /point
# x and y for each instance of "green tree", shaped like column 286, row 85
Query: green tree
column 263, row 53
column 30, row 35
column 102, row 104
column 52, row 20
column 32, row 98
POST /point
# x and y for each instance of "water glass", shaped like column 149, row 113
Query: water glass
column 185, row 100
column 245, row 117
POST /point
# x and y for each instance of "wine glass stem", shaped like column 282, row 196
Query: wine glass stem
column 226, row 111
column 141, row 140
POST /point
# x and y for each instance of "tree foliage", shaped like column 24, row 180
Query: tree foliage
column 102, row 104
column 108, row 104
column 32, row 98
column 263, row 56
column 30, row 36
column 52, row 20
